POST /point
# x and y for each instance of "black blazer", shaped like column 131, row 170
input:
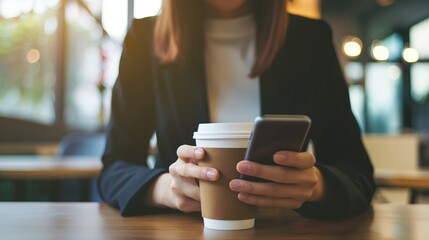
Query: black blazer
column 305, row 78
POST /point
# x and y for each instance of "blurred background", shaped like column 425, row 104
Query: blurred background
column 59, row 61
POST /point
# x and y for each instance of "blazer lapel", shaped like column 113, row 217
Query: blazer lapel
column 186, row 88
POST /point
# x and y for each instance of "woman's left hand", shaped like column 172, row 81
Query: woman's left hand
column 293, row 181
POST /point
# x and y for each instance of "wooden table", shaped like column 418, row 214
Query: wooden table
column 48, row 167
column 33, row 167
column 98, row 221
column 415, row 180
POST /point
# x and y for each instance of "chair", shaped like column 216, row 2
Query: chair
column 393, row 152
column 81, row 144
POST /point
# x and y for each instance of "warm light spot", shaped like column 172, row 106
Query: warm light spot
column 385, row 3
column 33, row 56
column 352, row 46
column 410, row 55
column 380, row 53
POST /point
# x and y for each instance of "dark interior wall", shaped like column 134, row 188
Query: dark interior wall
column 381, row 22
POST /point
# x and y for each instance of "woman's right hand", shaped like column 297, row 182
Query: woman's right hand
column 178, row 189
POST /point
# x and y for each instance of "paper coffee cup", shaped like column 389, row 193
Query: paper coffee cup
column 225, row 145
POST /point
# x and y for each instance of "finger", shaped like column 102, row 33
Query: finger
column 190, row 170
column 268, row 172
column 274, row 190
column 188, row 205
column 190, row 153
column 262, row 201
column 189, row 189
column 278, row 174
column 300, row 160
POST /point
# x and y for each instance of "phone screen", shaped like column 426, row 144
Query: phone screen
column 272, row 133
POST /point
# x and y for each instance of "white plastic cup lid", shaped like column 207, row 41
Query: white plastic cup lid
column 223, row 130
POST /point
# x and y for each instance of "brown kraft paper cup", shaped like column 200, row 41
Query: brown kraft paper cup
column 225, row 145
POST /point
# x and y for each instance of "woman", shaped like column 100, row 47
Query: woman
column 231, row 60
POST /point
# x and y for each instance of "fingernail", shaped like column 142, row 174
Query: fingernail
column 244, row 167
column 281, row 157
column 235, row 185
column 211, row 174
column 243, row 197
column 199, row 153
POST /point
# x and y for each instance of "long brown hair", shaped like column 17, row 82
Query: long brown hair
column 180, row 28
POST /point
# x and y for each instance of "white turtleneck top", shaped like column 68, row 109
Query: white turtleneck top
column 229, row 57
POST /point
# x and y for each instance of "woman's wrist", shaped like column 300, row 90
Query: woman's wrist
column 157, row 194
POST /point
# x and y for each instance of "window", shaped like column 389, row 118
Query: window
column 34, row 43
column 394, row 44
column 419, row 35
column 384, row 95
column 419, row 71
column 393, row 95
column 353, row 72
column 27, row 59
column 83, row 68
column 357, row 101
column 420, row 82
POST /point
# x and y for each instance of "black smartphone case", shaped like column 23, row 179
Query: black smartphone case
column 272, row 133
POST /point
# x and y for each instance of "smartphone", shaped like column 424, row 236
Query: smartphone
column 272, row 133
